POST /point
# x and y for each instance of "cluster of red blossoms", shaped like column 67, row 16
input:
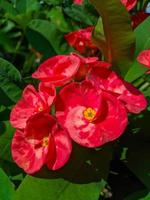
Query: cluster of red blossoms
column 90, row 109
column 78, row 99
column 129, row 4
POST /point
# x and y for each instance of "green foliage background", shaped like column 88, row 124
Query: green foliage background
column 32, row 31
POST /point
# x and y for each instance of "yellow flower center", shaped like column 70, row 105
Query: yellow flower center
column 45, row 141
column 40, row 109
column 89, row 113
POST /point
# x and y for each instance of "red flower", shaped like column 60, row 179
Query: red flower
column 108, row 80
column 31, row 103
column 81, row 39
column 91, row 118
column 78, row 2
column 42, row 142
column 129, row 4
column 60, row 70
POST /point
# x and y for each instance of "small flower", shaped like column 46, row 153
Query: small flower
column 32, row 102
column 91, row 118
column 81, row 40
column 129, row 4
column 109, row 81
column 78, row 2
column 42, row 142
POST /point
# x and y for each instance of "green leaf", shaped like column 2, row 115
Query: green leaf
column 138, row 160
column 57, row 189
column 120, row 40
column 6, row 187
column 54, row 2
column 137, row 143
column 9, row 79
column 142, row 43
column 26, row 6
column 8, row 7
column 46, row 38
column 142, row 36
column 6, row 135
column 81, row 14
column 57, row 17
column 82, row 177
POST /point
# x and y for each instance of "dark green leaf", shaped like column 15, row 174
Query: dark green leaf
column 43, row 30
column 140, row 195
column 7, row 132
column 81, row 14
column 26, row 6
column 9, row 79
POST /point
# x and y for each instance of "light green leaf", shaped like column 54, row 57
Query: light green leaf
column 6, row 187
column 142, row 43
column 142, row 36
column 57, row 17
column 57, row 189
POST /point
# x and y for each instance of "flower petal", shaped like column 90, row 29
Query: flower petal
column 58, row 70
column 129, row 4
column 31, row 103
column 81, row 39
column 144, row 58
column 107, row 80
column 63, row 148
column 24, row 154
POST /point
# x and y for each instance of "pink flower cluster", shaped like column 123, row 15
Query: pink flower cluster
column 91, row 109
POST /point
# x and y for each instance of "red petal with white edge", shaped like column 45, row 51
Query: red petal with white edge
column 58, row 70
column 24, row 154
column 107, row 80
column 144, row 58
column 63, row 148
column 129, row 4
